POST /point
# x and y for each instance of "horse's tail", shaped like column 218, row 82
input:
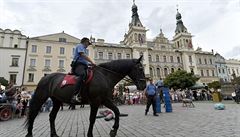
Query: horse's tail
column 39, row 97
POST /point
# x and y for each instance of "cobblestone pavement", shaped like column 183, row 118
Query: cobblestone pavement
column 201, row 121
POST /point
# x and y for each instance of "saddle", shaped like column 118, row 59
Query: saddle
column 71, row 79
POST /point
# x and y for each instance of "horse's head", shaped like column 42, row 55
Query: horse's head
column 137, row 74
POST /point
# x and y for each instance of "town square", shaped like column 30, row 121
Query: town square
column 134, row 68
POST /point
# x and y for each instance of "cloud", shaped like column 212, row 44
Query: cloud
column 233, row 53
column 214, row 24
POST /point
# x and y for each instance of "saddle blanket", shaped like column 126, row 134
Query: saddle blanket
column 72, row 79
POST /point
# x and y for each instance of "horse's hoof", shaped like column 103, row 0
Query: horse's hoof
column 113, row 133
column 54, row 135
column 89, row 135
column 28, row 135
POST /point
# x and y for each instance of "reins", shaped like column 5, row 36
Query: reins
column 120, row 75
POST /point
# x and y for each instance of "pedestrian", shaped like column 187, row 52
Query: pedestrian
column 151, row 93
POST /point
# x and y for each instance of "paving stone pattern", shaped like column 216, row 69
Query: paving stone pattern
column 201, row 121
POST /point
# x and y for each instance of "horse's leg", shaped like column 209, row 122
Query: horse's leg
column 52, row 116
column 34, row 108
column 93, row 113
column 109, row 104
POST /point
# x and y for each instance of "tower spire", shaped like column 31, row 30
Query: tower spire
column 180, row 27
column 135, row 18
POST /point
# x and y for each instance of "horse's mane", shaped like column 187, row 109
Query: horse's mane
column 120, row 66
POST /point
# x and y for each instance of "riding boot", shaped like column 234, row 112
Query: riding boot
column 79, row 86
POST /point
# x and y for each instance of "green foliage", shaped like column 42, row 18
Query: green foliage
column 180, row 80
column 3, row 81
column 215, row 85
column 235, row 80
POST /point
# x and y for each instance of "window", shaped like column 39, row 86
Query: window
column 141, row 54
column 219, row 70
column 229, row 72
column 178, row 59
column 128, row 56
column 151, row 72
column 165, row 72
column 150, row 58
column 62, row 50
column 158, row 72
column 13, row 78
column 210, row 61
column 61, row 63
column 110, row 56
column 32, row 62
column 205, row 60
column 164, row 59
column 15, row 62
column 200, row 61
column 171, row 59
column 15, row 45
column 202, row 74
column 47, row 63
column 208, row 73
column 223, row 71
column 179, row 68
column 233, row 71
column 48, row 49
column 213, row 74
column 172, row 70
column 119, row 55
column 73, row 50
column 100, row 55
column 30, row 77
column 157, row 58
column 192, row 71
column 178, row 44
column 62, row 40
column 190, row 59
column 34, row 48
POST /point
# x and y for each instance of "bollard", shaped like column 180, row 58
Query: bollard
column 167, row 101
column 158, row 104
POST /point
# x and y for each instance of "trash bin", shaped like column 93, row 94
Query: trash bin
column 158, row 104
column 167, row 101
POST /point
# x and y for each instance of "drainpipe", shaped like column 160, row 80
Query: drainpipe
column 25, row 61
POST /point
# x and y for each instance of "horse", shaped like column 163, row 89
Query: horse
column 98, row 92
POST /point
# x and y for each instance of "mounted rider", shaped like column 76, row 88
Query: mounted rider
column 80, row 65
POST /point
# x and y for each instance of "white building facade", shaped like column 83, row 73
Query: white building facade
column 12, row 55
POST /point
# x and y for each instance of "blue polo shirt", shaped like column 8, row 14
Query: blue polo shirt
column 151, row 89
column 80, row 48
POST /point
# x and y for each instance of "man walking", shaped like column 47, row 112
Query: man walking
column 151, row 93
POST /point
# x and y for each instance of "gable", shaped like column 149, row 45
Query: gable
column 56, row 36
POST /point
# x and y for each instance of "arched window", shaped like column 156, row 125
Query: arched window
column 135, row 37
column 165, row 72
column 157, row 58
column 172, row 70
column 150, row 58
column 158, row 73
column 178, row 59
column 164, row 59
column 151, row 72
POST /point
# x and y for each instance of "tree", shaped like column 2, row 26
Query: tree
column 3, row 81
column 180, row 79
column 215, row 85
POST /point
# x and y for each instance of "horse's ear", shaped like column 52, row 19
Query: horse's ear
column 140, row 58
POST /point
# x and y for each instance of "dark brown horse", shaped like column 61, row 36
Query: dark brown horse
column 98, row 92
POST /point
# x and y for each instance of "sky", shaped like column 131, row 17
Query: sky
column 214, row 24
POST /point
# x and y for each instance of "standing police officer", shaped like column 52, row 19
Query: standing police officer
column 151, row 93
